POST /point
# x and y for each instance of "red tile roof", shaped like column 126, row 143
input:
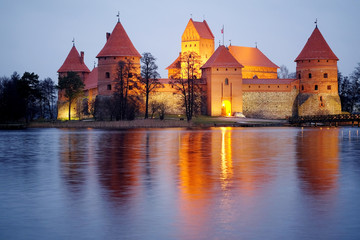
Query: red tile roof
column 118, row 44
column 92, row 80
column 73, row 63
column 176, row 63
column 249, row 56
column 203, row 29
column 222, row 58
column 316, row 48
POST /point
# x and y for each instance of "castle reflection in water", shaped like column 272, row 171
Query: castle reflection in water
column 198, row 164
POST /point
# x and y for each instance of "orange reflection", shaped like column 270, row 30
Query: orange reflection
column 318, row 160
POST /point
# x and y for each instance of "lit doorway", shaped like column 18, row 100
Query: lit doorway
column 226, row 108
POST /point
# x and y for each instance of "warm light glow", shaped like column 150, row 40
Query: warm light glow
column 226, row 108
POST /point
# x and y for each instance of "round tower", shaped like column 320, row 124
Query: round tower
column 118, row 47
column 316, row 69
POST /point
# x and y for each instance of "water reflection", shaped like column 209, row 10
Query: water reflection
column 318, row 159
column 217, row 183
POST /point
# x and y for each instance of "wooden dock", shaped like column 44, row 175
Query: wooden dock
column 330, row 120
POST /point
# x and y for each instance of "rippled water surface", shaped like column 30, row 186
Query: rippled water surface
column 218, row 183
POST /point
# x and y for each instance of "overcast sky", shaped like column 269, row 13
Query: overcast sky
column 37, row 35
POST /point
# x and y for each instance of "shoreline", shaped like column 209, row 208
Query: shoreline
column 156, row 123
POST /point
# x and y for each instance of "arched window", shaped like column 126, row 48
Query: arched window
column 299, row 76
column 107, row 75
column 226, row 81
column 316, row 87
column 310, row 75
column 325, row 75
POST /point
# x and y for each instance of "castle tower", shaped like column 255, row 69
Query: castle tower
column 316, row 69
column 74, row 62
column 198, row 38
column 223, row 76
column 118, row 47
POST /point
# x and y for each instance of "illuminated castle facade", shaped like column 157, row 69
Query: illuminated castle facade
column 237, row 79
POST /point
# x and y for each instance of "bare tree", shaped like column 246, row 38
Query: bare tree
column 149, row 78
column 126, row 88
column 283, row 72
column 187, row 82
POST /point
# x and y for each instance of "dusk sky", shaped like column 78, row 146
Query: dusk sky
column 37, row 35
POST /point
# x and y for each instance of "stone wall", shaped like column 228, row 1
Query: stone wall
column 270, row 105
column 319, row 104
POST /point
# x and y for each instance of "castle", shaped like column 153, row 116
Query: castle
column 237, row 79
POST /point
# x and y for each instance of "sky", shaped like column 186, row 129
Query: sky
column 36, row 35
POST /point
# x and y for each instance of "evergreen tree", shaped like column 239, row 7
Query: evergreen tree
column 73, row 87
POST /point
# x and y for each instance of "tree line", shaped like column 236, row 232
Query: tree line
column 25, row 98
column 349, row 91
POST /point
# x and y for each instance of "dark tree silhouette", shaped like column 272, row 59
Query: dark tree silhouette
column 187, row 82
column 149, row 78
column 72, row 85
column 126, row 90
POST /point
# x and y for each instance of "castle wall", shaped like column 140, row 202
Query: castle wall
column 270, row 104
column 260, row 72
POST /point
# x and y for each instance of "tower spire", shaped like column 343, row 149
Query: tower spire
column 316, row 23
column 118, row 16
column 73, row 41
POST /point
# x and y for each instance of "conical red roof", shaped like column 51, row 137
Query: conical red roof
column 222, row 58
column 73, row 63
column 316, row 48
column 118, row 44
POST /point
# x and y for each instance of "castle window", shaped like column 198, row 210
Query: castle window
column 109, row 87
column 226, row 81
column 278, row 86
column 268, row 86
column 309, row 60
column 299, row 76
column 217, row 69
column 302, row 87
column 316, row 87
column 327, row 60
column 235, row 69
column 325, row 75
column 226, row 69
column 318, row 60
column 107, row 75
column 310, row 75
column 329, row 87
column 114, row 57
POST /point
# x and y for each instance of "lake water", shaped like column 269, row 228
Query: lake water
column 217, row 183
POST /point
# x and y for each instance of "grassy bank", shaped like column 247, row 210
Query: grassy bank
column 169, row 122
